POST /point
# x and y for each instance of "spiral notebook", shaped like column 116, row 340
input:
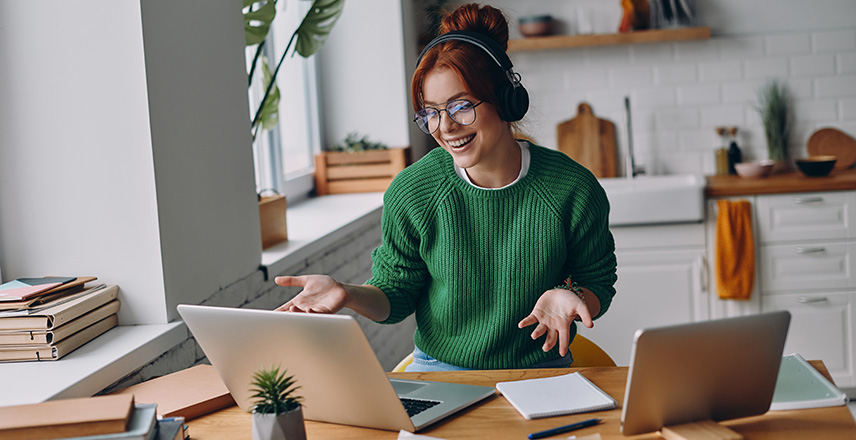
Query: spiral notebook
column 555, row 396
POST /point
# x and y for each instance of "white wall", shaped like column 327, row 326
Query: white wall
column 681, row 90
column 363, row 80
column 121, row 155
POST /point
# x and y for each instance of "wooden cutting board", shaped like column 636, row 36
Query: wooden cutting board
column 833, row 142
column 590, row 141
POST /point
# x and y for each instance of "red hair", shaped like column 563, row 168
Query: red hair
column 476, row 69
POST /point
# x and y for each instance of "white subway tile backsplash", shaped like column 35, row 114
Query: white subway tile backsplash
column 766, row 68
column 652, row 53
column 607, row 100
column 583, row 78
column 607, row 56
column 676, row 118
column 813, row 65
column 731, row 48
column 741, row 92
column 847, row 63
column 816, row 110
column 788, row 44
column 834, row 41
column 632, row 76
column 718, row 71
column 728, row 115
column 696, row 50
column 676, row 74
column 847, row 108
column 800, row 88
column 654, row 97
column 699, row 94
column 844, row 85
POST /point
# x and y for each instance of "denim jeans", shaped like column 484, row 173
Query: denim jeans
column 423, row 362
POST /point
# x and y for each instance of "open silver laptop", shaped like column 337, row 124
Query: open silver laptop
column 339, row 375
column 713, row 370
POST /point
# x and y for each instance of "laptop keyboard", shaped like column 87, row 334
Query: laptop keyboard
column 416, row 406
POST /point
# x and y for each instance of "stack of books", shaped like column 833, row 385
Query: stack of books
column 43, row 319
column 92, row 418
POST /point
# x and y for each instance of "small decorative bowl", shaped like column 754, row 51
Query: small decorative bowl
column 816, row 166
column 536, row 25
column 754, row 170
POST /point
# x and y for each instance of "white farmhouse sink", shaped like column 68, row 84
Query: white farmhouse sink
column 646, row 200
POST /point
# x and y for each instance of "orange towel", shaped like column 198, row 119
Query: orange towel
column 735, row 250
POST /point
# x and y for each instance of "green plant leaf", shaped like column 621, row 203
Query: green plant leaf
column 316, row 25
column 258, row 15
column 268, row 114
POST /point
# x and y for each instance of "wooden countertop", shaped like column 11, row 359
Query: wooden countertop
column 780, row 183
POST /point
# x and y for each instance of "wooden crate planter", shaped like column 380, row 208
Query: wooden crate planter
column 365, row 171
column 272, row 216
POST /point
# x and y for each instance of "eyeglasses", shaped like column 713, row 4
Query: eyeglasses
column 460, row 111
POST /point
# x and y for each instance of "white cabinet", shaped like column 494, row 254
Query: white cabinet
column 661, row 280
column 805, row 247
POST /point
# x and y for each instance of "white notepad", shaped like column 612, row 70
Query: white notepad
column 801, row 386
column 555, row 396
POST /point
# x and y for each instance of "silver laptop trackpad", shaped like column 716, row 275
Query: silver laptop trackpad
column 404, row 387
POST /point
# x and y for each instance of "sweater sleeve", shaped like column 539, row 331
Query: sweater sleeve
column 591, row 248
column 397, row 267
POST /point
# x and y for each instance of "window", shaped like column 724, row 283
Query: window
column 284, row 155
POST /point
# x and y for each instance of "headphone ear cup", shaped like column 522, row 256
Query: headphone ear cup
column 513, row 101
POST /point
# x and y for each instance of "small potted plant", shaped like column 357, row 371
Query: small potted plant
column 773, row 109
column 277, row 409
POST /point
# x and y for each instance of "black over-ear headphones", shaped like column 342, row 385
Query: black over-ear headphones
column 513, row 97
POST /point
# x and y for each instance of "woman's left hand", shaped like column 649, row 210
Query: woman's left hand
column 554, row 312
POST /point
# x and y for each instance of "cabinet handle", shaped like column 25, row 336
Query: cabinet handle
column 809, row 250
column 804, row 200
column 702, row 264
column 811, row 300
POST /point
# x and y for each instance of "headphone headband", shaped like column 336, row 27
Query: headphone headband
column 486, row 43
column 513, row 99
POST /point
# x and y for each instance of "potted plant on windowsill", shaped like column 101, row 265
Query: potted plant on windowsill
column 277, row 411
column 307, row 39
column 357, row 165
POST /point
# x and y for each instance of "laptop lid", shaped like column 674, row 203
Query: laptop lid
column 331, row 360
column 713, row 370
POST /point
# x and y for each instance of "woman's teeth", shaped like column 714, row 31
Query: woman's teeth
column 460, row 142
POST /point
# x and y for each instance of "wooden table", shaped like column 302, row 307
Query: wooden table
column 495, row 418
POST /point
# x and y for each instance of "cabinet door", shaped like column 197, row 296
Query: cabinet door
column 821, row 328
column 809, row 216
column 654, row 288
column 808, row 266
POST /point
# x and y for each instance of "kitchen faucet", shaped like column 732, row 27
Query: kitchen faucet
column 630, row 168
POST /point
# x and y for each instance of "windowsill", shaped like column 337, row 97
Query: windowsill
column 313, row 224
column 318, row 222
column 90, row 368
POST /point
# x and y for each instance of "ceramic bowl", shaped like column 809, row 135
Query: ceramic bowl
column 816, row 166
column 536, row 25
column 754, row 170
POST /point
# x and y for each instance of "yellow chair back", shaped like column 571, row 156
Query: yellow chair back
column 586, row 354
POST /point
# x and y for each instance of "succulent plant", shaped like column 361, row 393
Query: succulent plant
column 274, row 392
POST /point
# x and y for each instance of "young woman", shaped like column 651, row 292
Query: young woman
column 486, row 236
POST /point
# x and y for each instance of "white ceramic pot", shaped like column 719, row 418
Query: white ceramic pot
column 286, row 426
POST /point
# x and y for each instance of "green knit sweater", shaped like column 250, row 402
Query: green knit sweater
column 471, row 262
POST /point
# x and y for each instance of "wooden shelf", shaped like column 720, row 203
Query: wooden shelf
column 571, row 41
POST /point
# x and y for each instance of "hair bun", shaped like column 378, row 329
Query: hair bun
column 486, row 20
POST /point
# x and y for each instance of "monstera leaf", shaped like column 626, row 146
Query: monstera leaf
column 258, row 15
column 269, row 111
column 310, row 36
column 317, row 24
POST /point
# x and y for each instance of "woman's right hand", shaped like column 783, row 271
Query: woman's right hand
column 320, row 294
